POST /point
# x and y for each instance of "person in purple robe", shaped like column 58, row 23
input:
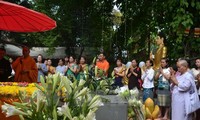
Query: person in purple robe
column 182, row 84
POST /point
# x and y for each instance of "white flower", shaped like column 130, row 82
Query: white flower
column 29, row 113
column 75, row 118
column 81, row 82
column 106, row 91
column 117, row 91
column 139, row 102
column 64, row 110
column 96, row 97
column 134, row 92
column 96, row 104
column 4, row 107
column 123, row 89
column 13, row 111
column 82, row 92
column 132, row 102
column 90, row 115
column 59, row 111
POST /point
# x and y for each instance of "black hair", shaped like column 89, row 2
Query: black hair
column 195, row 62
column 197, row 58
column 83, row 58
column 61, row 59
column 135, row 61
column 162, row 35
column 119, row 60
column 174, row 67
column 72, row 57
column 103, row 53
column 40, row 55
column 167, row 61
column 151, row 61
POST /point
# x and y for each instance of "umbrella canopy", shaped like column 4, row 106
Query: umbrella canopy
column 17, row 18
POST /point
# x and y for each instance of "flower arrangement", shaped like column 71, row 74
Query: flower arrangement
column 135, row 106
column 12, row 89
column 58, row 98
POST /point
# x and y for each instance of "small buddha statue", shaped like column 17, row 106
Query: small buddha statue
column 160, row 53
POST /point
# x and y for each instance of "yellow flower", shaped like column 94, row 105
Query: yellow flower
column 31, row 85
column 15, row 84
column 14, row 90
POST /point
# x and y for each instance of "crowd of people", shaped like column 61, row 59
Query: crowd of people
column 26, row 69
column 173, row 86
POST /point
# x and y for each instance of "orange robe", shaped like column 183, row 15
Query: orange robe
column 25, row 64
column 104, row 65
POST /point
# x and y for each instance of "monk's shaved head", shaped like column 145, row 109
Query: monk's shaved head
column 182, row 66
column 183, row 63
column 25, row 51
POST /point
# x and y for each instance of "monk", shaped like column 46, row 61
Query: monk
column 25, row 68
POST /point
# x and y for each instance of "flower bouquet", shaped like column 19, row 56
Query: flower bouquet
column 135, row 106
column 58, row 98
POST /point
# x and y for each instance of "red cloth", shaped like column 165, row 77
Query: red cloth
column 17, row 18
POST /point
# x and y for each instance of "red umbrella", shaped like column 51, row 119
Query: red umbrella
column 17, row 18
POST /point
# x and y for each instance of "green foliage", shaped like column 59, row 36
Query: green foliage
column 90, row 23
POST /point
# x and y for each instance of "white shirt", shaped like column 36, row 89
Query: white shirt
column 195, row 72
column 61, row 69
column 148, row 78
column 165, row 71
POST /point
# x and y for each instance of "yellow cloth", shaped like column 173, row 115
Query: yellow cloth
column 25, row 64
column 51, row 70
column 160, row 53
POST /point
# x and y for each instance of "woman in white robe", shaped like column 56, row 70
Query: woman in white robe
column 180, row 88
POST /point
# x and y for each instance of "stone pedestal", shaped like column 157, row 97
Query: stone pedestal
column 114, row 109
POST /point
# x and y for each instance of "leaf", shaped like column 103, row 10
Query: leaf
column 192, row 3
column 43, row 82
column 40, row 88
column 55, row 117
column 21, row 105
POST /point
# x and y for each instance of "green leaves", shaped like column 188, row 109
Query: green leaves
column 184, row 3
column 78, row 104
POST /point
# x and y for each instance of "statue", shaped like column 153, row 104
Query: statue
column 160, row 53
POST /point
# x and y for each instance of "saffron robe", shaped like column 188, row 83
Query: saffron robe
column 25, row 64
